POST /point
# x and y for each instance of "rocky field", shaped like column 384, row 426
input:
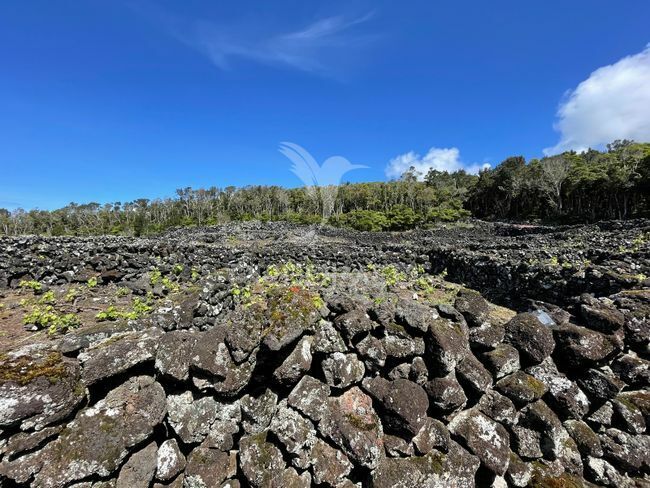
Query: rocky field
column 270, row 355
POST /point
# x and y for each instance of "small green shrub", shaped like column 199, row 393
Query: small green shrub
column 46, row 317
column 30, row 284
column 92, row 282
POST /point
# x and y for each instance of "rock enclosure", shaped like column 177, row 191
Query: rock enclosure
column 270, row 355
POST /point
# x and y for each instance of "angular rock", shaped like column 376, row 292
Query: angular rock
column 257, row 411
column 445, row 394
column 526, row 442
column 352, row 424
column 434, row 470
column 296, row 364
column 501, row 361
column 521, row 388
column 260, row 461
column 586, row 439
column 372, row 351
column 329, row 466
column 472, row 372
column 486, row 337
column 212, row 358
column 209, row 467
column 602, row 318
column 353, row 323
column 519, row 473
column 295, row 432
column 327, row 339
column 432, row 435
column 191, row 419
column 632, row 369
column 473, row 306
column 582, row 347
column 484, row 437
column 567, row 398
column 628, row 453
column 169, row 460
column 414, row 316
column 310, row 396
column 404, row 404
column 446, row 344
column 398, row 343
column 174, row 354
column 38, row 389
column 600, row 384
column 139, row 469
column 118, row 354
column 530, row 337
column 342, row 370
column 98, row 439
column 498, row 407
column 629, row 414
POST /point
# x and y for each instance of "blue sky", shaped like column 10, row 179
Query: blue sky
column 115, row 100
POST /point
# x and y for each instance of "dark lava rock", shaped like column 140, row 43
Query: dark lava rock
column 352, row 424
column 484, row 437
column 473, row 306
column 175, row 352
column 296, row 364
column 498, row 407
column 98, row 439
column 533, row 340
column 310, row 397
column 38, row 388
column 566, row 397
column 600, row 384
column 472, row 372
column 432, row 435
column 139, row 469
column 118, row 353
column 586, row 439
column 342, row 370
column 521, row 388
column 501, row 361
column 434, row 470
column 446, row 344
column 209, row 467
column 169, row 460
column 582, row 347
column 445, row 394
column 261, row 461
column 404, row 404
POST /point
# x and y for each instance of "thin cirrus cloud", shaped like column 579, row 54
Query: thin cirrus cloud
column 322, row 47
column 441, row 159
column 613, row 103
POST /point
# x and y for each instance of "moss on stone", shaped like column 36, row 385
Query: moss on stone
column 23, row 370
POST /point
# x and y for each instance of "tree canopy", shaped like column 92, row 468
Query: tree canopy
column 569, row 187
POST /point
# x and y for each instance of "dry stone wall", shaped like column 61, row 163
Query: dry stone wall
column 281, row 356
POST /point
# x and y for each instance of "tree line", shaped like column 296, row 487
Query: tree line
column 569, row 187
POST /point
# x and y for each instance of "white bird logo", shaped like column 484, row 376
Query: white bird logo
column 321, row 180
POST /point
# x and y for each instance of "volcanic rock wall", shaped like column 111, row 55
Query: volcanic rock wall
column 359, row 369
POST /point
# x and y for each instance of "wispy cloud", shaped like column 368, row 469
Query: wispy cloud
column 613, row 103
column 441, row 159
column 324, row 46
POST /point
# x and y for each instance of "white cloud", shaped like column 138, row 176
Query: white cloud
column 316, row 47
column 442, row 159
column 613, row 103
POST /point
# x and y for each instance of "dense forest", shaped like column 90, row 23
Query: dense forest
column 569, row 187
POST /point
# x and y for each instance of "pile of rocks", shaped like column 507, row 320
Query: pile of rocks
column 359, row 385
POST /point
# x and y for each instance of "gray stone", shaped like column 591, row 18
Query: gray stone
column 138, row 471
column 310, row 397
column 484, row 437
column 169, row 460
column 207, row 468
column 296, row 364
column 530, row 337
column 118, row 354
column 352, row 424
column 342, row 370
